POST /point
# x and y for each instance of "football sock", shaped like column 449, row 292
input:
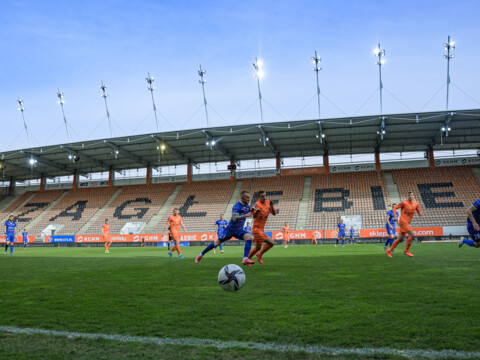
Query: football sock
column 246, row 249
column 394, row 245
column 221, row 249
column 468, row 242
column 252, row 252
column 178, row 250
column 6, row 247
column 208, row 248
column 11, row 249
column 343, row 242
column 105, row 246
column 24, row 245
column 336, row 242
column 265, row 248
column 388, row 242
column 409, row 242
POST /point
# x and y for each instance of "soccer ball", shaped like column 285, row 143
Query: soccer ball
column 231, row 278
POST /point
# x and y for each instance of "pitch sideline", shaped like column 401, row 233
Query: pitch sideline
column 317, row 349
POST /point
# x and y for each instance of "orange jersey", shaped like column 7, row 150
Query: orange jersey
column 174, row 224
column 286, row 229
column 106, row 229
column 260, row 214
column 408, row 210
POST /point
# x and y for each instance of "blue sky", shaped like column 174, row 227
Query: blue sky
column 75, row 45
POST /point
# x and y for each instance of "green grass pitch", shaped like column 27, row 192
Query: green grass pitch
column 349, row 297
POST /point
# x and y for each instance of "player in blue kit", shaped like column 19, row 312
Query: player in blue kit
column 390, row 226
column 221, row 225
column 25, row 238
column 10, row 232
column 473, row 227
column 235, row 228
column 352, row 234
column 341, row 232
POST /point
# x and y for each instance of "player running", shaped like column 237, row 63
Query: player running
column 473, row 226
column 175, row 221
column 235, row 228
column 261, row 210
column 314, row 239
column 286, row 235
column 106, row 236
column 341, row 232
column 352, row 236
column 10, row 232
column 25, row 238
column 390, row 226
column 220, row 226
column 408, row 207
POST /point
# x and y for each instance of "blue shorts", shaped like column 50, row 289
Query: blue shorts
column 227, row 234
column 390, row 231
column 11, row 238
column 474, row 234
column 341, row 234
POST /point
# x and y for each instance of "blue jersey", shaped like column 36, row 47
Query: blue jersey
column 248, row 228
column 391, row 218
column 10, row 227
column 476, row 214
column 238, row 209
column 222, row 224
column 25, row 236
column 352, row 232
column 341, row 228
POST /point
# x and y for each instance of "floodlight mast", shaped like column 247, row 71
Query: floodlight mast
column 202, row 81
column 448, row 46
column 150, row 81
column 257, row 65
column 316, row 60
column 61, row 101
column 379, row 53
column 22, row 109
column 104, row 94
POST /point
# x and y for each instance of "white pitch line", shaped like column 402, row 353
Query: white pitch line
column 314, row 349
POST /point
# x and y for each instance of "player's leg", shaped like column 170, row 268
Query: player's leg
column 258, row 246
column 6, row 247
column 177, row 245
column 343, row 240
column 12, row 243
column 399, row 239
column 247, row 247
column 268, row 244
column 336, row 243
column 411, row 236
column 223, row 237
column 475, row 235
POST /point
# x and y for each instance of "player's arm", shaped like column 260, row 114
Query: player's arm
column 398, row 206
column 166, row 227
column 272, row 209
column 419, row 211
column 388, row 222
column 217, row 227
column 183, row 226
column 237, row 217
column 470, row 212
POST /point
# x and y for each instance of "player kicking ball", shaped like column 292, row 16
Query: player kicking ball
column 10, row 231
column 106, row 236
column 473, row 226
column 175, row 221
column 261, row 210
column 235, row 228
column 408, row 207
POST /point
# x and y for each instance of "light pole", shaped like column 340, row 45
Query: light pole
column 61, row 101
column 316, row 60
column 202, row 81
column 257, row 65
column 448, row 46
column 151, row 88
column 104, row 94
column 380, row 53
column 22, row 109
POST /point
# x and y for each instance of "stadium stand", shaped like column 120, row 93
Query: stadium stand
column 443, row 193
column 285, row 193
column 361, row 193
column 135, row 203
column 74, row 210
column 201, row 203
column 14, row 205
column 35, row 206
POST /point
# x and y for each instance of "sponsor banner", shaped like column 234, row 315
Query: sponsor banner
column 57, row 186
column 165, row 243
column 390, row 165
column 60, row 239
column 215, row 176
column 90, row 184
column 255, row 174
column 18, row 239
column 458, row 161
column 304, row 171
column 419, row 231
column 88, row 238
column 299, row 234
column 168, row 179
column 352, row 168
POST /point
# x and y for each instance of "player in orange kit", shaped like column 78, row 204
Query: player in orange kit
column 106, row 236
column 408, row 207
column 261, row 210
column 175, row 221
column 286, row 235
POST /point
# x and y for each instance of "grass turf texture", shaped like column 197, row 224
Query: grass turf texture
column 349, row 297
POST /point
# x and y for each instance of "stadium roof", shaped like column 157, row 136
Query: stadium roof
column 349, row 135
